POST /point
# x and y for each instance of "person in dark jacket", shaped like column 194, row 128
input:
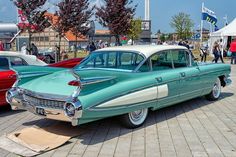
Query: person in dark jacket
column 216, row 52
column 92, row 47
column 34, row 50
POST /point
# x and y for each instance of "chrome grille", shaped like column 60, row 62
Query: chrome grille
column 44, row 102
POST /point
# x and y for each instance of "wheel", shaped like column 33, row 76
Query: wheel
column 216, row 91
column 134, row 119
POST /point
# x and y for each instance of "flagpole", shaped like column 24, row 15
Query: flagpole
column 17, row 38
column 201, row 26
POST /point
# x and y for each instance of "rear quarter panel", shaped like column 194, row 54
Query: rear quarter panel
column 209, row 74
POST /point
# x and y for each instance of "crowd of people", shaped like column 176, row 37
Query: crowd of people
column 218, row 49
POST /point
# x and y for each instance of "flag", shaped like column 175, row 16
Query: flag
column 216, row 28
column 209, row 15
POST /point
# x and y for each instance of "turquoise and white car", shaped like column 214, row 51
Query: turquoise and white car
column 123, row 81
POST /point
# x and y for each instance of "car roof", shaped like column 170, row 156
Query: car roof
column 10, row 53
column 30, row 59
column 146, row 50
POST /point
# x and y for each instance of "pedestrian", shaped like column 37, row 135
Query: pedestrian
column 185, row 44
column 216, row 51
column 23, row 49
column 34, row 50
column 233, row 50
column 64, row 55
column 203, row 54
column 221, row 47
column 1, row 46
column 92, row 47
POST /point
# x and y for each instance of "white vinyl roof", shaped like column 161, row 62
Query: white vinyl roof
column 146, row 50
column 30, row 59
column 229, row 30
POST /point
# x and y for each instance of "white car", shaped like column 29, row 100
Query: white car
column 19, row 59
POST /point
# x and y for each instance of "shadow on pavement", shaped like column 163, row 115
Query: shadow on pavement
column 6, row 111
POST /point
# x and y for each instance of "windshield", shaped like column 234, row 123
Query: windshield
column 112, row 60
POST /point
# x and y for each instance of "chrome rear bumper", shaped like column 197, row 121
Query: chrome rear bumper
column 18, row 101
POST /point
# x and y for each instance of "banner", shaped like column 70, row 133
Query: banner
column 209, row 15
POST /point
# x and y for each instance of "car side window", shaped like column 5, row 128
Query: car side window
column 145, row 67
column 4, row 64
column 161, row 61
column 16, row 61
column 180, row 58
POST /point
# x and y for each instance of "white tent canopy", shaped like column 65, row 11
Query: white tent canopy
column 229, row 30
column 224, row 33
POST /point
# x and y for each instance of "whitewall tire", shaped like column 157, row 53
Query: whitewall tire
column 216, row 91
column 134, row 119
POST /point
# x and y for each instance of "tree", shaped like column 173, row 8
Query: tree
column 182, row 25
column 135, row 29
column 80, row 16
column 117, row 16
column 62, row 21
column 36, row 19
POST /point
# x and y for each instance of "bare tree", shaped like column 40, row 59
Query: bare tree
column 117, row 16
column 36, row 19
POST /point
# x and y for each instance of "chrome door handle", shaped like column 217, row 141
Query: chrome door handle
column 159, row 79
column 182, row 74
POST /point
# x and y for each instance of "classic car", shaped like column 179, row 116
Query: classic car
column 125, row 81
column 69, row 63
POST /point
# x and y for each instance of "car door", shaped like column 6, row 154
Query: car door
column 189, row 74
column 167, row 79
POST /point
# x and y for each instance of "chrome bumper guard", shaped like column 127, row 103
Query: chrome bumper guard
column 227, row 81
column 17, row 99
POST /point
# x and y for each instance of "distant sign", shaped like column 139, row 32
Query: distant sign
column 146, row 25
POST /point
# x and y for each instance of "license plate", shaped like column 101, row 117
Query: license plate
column 40, row 111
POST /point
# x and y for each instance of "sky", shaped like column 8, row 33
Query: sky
column 161, row 13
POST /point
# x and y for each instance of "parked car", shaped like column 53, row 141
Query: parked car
column 47, row 55
column 8, row 76
column 125, row 81
column 70, row 63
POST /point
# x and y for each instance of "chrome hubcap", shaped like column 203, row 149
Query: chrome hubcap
column 138, row 117
column 217, row 89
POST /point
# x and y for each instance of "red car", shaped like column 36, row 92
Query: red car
column 8, row 77
column 70, row 63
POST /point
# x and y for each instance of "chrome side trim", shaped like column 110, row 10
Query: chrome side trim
column 93, row 80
